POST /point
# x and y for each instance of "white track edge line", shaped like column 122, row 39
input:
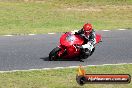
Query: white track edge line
column 51, row 33
column 122, row 29
column 63, row 67
column 31, row 34
column 71, row 31
column 7, row 35
column 106, row 30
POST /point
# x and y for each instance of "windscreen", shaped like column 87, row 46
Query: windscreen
column 70, row 37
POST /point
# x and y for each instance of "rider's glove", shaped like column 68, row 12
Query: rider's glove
column 72, row 32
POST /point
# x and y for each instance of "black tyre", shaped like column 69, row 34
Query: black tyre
column 53, row 54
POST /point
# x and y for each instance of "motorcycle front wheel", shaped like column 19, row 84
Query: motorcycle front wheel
column 53, row 56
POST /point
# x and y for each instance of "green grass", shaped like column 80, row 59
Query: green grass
column 18, row 17
column 61, row 78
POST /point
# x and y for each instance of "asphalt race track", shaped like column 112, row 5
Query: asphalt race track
column 31, row 52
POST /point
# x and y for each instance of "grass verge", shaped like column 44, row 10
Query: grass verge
column 61, row 78
column 42, row 16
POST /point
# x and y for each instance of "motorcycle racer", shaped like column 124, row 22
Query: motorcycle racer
column 80, row 44
column 88, row 34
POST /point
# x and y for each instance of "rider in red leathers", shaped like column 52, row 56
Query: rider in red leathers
column 88, row 34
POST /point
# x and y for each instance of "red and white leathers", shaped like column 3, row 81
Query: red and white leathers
column 89, row 39
column 88, row 34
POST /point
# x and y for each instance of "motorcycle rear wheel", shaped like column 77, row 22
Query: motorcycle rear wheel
column 53, row 56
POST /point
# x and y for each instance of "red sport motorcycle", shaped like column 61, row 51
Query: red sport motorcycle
column 69, row 47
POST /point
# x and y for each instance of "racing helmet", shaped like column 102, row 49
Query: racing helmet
column 87, row 28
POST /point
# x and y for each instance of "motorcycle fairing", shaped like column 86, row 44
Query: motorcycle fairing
column 69, row 39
